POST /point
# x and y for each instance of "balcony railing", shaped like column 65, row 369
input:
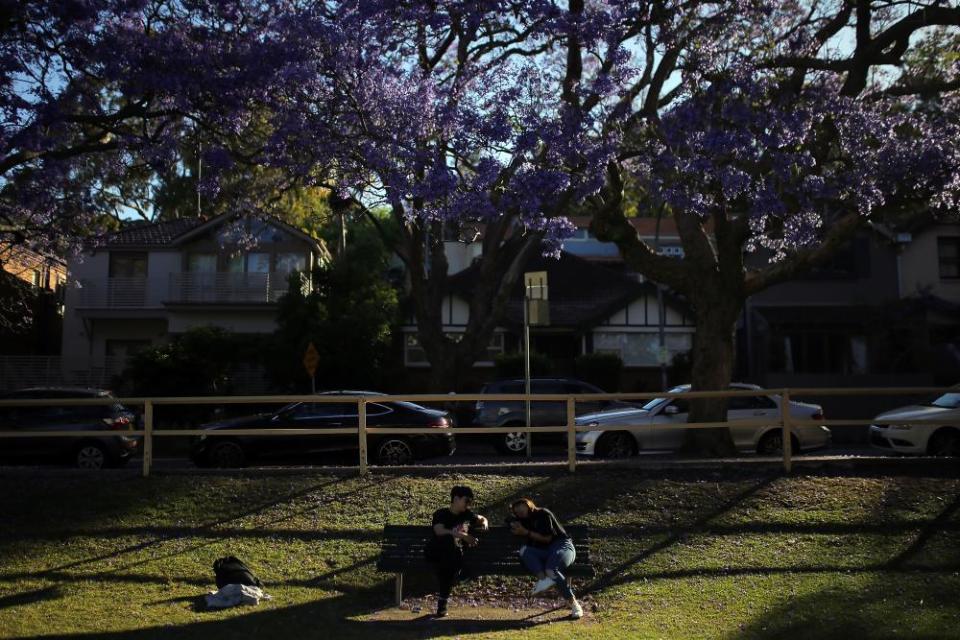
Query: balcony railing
column 147, row 292
column 227, row 287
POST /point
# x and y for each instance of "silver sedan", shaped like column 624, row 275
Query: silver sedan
column 658, row 426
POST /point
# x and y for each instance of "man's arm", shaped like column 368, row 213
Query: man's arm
column 441, row 530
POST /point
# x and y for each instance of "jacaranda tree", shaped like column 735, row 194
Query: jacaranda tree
column 757, row 124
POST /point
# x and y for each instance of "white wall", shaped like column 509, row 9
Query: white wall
column 920, row 265
column 460, row 255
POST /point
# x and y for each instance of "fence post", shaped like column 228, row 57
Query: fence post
column 362, row 430
column 787, row 440
column 571, row 434
column 147, row 437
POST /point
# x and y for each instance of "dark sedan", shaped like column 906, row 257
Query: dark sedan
column 112, row 449
column 384, row 449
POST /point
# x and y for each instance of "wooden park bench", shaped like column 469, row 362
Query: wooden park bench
column 497, row 554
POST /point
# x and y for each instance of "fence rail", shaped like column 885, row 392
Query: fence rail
column 786, row 421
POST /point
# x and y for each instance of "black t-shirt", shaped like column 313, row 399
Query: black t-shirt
column 543, row 521
column 468, row 521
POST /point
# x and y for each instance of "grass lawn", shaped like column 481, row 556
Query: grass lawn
column 705, row 555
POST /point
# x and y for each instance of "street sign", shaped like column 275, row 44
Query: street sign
column 311, row 359
column 536, row 285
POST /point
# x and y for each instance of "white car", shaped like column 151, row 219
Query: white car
column 938, row 438
column 658, row 426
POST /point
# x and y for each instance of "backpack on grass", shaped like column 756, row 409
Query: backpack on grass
column 232, row 570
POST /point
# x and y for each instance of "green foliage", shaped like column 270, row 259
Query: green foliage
column 29, row 320
column 196, row 363
column 601, row 369
column 349, row 317
column 511, row 365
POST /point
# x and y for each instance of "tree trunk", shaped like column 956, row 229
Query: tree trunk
column 445, row 372
column 713, row 357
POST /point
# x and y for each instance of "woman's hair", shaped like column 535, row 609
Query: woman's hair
column 531, row 506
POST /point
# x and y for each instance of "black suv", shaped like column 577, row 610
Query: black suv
column 506, row 413
column 112, row 449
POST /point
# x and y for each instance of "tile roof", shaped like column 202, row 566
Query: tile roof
column 153, row 233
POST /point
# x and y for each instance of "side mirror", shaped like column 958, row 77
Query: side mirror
column 671, row 410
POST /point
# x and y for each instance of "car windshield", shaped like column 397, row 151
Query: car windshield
column 947, row 401
column 656, row 402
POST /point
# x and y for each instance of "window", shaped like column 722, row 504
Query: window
column 641, row 349
column 202, row 263
column 290, row 262
column 35, row 278
column 819, row 351
column 948, row 250
column 258, row 263
column 672, row 251
column 128, row 265
column 414, row 353
column 308, row 410
column 749, row 402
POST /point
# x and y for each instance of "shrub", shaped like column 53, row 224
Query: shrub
column 600, row 369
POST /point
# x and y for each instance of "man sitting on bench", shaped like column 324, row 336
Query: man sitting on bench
column 452, row 527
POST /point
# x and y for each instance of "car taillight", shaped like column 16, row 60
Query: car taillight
column 441, row 423
column 818, row 415
column 120, row 423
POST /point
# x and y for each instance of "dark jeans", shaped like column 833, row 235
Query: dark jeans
column 556, row 557
column 447, row 558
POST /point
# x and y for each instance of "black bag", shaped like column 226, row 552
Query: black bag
column 232, row 570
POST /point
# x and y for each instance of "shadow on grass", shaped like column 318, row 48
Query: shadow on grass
column 862, row 607
column 339, row 617
column 29, row 597
column 211, row 528
column 616, row 574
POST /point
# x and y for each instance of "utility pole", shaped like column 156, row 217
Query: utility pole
column 661, row 312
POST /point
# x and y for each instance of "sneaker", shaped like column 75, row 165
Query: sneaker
column 442, row 608
column 576, row 611
column 542, row 585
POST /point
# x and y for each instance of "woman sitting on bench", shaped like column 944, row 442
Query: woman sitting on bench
column 547, row 550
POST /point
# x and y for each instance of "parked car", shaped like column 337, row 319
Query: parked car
column 113, row 449
column 658, row 426
column 507, row 413
column 237, row 451
column 940, row 438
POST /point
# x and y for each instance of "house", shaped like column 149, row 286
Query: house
column 32, row 289
column 929, row 284
column 593, row 307
column 42, row 272
column 147, row 283
column 875, row 315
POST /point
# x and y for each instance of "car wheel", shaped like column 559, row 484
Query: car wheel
column 945, row 442
column 616, row 444
column 226, row 455
column 90, row 455
column 394, row 451
column 514, row 443
column 771, row 444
